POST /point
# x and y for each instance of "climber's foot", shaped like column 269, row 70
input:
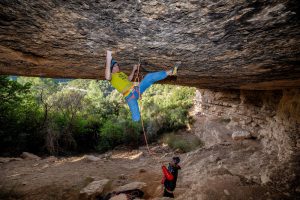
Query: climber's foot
column 175, row 69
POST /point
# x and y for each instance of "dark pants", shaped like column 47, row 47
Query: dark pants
column 168, row 194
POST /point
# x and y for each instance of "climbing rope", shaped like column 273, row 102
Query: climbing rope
column 141, row 109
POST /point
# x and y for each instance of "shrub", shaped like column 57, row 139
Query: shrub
column 181, row 142
column 119, row 132
column 131, row 133
column 111, row 135
column 86, row 134
column 166, row 107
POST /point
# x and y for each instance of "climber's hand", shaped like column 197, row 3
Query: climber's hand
column 135, row 67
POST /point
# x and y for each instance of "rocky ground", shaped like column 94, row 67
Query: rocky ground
column 229, row 169
column 64, row 178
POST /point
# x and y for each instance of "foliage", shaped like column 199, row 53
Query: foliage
column 167, row 107
column 182, row 143
column 18, row 110
column 116, row 132
column 43, row 116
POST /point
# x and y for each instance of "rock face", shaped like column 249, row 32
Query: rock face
column 268, row 119
column 222, row 44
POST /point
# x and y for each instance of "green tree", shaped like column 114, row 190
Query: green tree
column 19, row 117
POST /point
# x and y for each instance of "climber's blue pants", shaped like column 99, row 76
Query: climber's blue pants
column 133, row 96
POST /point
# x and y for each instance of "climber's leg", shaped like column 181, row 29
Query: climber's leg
column 150, row 79
column 131, row 100
column 157, row 76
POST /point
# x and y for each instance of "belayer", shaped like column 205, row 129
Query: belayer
column 170, row 177
column 123, row 83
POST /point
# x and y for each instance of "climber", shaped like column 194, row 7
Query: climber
column 123, row 84
column 170, row 177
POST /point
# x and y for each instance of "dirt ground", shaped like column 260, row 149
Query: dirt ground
column 63, row 178
column 220, row 172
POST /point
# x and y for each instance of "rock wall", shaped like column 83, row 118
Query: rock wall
column 270, row 117
column 221, row 44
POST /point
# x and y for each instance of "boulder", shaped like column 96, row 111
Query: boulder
column 91, row 158
column 119, row 197
column 29, row 156
column 131, row 186
column 94, row 188
column 241, row 135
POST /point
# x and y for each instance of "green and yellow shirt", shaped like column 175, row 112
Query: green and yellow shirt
column 120, row 81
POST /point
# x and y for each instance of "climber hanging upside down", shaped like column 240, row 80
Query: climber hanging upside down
column 124, row 84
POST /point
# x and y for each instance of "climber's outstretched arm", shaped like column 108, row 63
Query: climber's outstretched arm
column 108, row 62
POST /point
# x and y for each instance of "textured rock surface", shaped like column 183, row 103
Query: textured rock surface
column 119, row 197
column 241, row 135
column 271, row 117
column 222, row 44
column 131, row 186
column 95, row 188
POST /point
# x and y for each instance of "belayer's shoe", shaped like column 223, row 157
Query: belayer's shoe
column 175, row 69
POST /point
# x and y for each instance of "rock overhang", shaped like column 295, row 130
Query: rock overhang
column 221, row 44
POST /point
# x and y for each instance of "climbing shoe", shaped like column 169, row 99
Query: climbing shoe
column 175, row 69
